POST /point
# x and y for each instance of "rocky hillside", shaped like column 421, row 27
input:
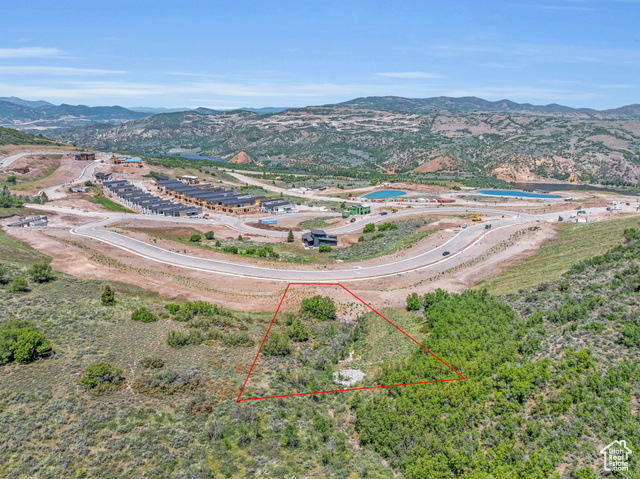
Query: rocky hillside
column 524, row 146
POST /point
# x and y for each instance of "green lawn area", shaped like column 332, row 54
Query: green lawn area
column 573, row 242
column 316, row 223
column 110, row 205
column 19, row 253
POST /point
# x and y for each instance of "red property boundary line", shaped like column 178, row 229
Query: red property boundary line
column 459, row 378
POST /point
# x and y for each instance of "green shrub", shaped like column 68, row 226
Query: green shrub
column 376, row 236
column 19, row 285
column 176, row 339
column 209, row 235
column 277, row 345
column 413, row 302
column 320, row 307
column 369, row 228
column 298, row 331
column 290, row 437
column 144, row 315
column 172, row 308
column 21, row 342
column 167, row 382
column 102, row 378
column 195, row 238
column 40, row 273
column 324, row 248
column 387, row 227
column 237, row 339
column 3, row 275
column 108, row 296
column 230, row 249
column 152, row 362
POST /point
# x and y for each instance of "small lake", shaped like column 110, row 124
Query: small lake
column 570, row 187
column 513, row 193
column 385, row 194
column 191, row 157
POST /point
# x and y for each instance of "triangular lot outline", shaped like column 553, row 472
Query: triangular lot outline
column 459, row 377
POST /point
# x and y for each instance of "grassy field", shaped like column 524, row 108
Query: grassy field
column 573, row 243
column 110, row 205
column 315, row 223
column 16, row 252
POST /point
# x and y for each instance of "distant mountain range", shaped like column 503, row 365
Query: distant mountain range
column 42, row 115
column 473, row 104
column 61, row 116
column 30, row 104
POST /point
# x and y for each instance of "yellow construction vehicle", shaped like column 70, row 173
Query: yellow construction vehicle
column 477, row 217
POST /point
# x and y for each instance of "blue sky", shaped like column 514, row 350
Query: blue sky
column 228, row 54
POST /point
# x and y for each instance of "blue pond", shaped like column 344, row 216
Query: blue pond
column 191, row 157
column 519, row 194
column 385, row 194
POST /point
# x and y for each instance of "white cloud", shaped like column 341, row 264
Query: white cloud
column 409, row 75
column 30, row 52
column 61, row 71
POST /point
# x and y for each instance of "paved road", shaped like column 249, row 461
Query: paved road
column 59, row 191
column 12, row 158
column 457, row 244
column 460, row 242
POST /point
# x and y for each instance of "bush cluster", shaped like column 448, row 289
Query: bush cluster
column 144, row 315
column 152, row 362
column 102, row 378
column 320, row 307
column 21, row 342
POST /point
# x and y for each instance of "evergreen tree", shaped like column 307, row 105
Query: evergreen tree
column 108, row 296
column 290, row 237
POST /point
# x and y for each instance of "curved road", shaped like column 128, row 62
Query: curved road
column 463, row 240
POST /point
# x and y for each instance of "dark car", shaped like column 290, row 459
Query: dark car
column 384, row 213
column 446, row 253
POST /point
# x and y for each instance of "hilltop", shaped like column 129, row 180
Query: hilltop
column 9, row 136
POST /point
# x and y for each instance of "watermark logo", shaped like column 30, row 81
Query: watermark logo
column 616, row 456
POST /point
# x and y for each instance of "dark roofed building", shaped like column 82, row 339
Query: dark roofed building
column 102, row 177
column 315, row 238
column 277, row 206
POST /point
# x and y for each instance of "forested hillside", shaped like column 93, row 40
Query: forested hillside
column 9, row 136
column 552, row 376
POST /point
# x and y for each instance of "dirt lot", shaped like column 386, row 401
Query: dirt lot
column 39, row 165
